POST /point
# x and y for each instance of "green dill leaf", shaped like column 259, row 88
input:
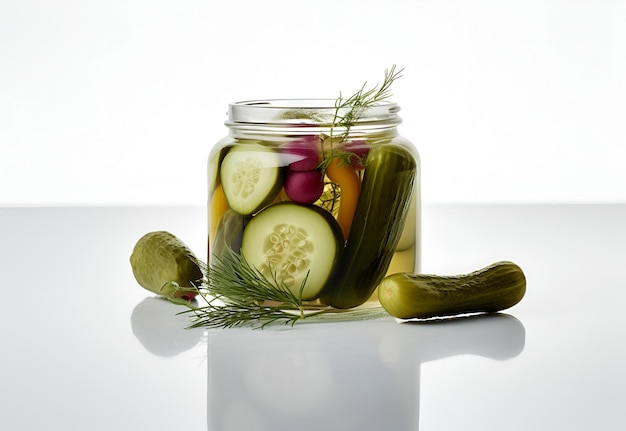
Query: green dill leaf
column 236, row 294
column 349, row 110
column 355, row 105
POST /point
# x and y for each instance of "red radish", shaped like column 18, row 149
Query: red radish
column 302, row 154
column 304, row 187
column 358, row 150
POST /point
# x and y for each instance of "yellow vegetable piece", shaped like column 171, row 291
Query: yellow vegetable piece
column 349, row 182
column 217, row 208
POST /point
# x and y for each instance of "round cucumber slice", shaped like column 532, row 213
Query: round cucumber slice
column 293, row 242
column 251, row 177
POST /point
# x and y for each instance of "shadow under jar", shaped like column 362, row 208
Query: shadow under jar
column 322, row 203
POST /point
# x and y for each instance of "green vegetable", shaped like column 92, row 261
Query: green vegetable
column 382, row 207
column 164, row 265
column 228, row 234
column 493, row 288
column 294, row 243
column 251, row 177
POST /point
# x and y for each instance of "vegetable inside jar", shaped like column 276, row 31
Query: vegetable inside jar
column 320, row 197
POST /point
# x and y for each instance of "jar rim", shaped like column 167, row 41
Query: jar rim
column 303, row 112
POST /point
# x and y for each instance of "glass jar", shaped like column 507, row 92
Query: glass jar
column 324, row 206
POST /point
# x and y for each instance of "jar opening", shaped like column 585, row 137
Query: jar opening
column 306, row 112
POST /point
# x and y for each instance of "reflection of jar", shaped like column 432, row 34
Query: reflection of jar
column 332, row 209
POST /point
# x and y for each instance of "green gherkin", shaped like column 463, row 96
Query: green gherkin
column 494, row 288
column 382, row 207
column 163, row 264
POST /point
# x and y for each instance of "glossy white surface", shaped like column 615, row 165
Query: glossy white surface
column 84, row 347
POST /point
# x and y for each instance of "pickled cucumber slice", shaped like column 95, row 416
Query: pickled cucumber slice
column 292, row 242
column 251, row 177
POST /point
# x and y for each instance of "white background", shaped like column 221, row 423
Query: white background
column 119, row 102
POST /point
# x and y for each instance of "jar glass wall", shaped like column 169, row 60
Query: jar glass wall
column 323, row 203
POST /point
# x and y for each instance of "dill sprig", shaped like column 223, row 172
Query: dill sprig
column 237, row 294
column 234, row 280
column 233, row 315
column 355, row 105
column 349, row 110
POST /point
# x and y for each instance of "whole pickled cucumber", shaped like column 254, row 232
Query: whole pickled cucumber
column 494, row 288
column 164, row 265
column 381, row 211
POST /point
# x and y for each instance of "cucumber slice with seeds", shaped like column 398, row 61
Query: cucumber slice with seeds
column 293, row 242
column 251, row 177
